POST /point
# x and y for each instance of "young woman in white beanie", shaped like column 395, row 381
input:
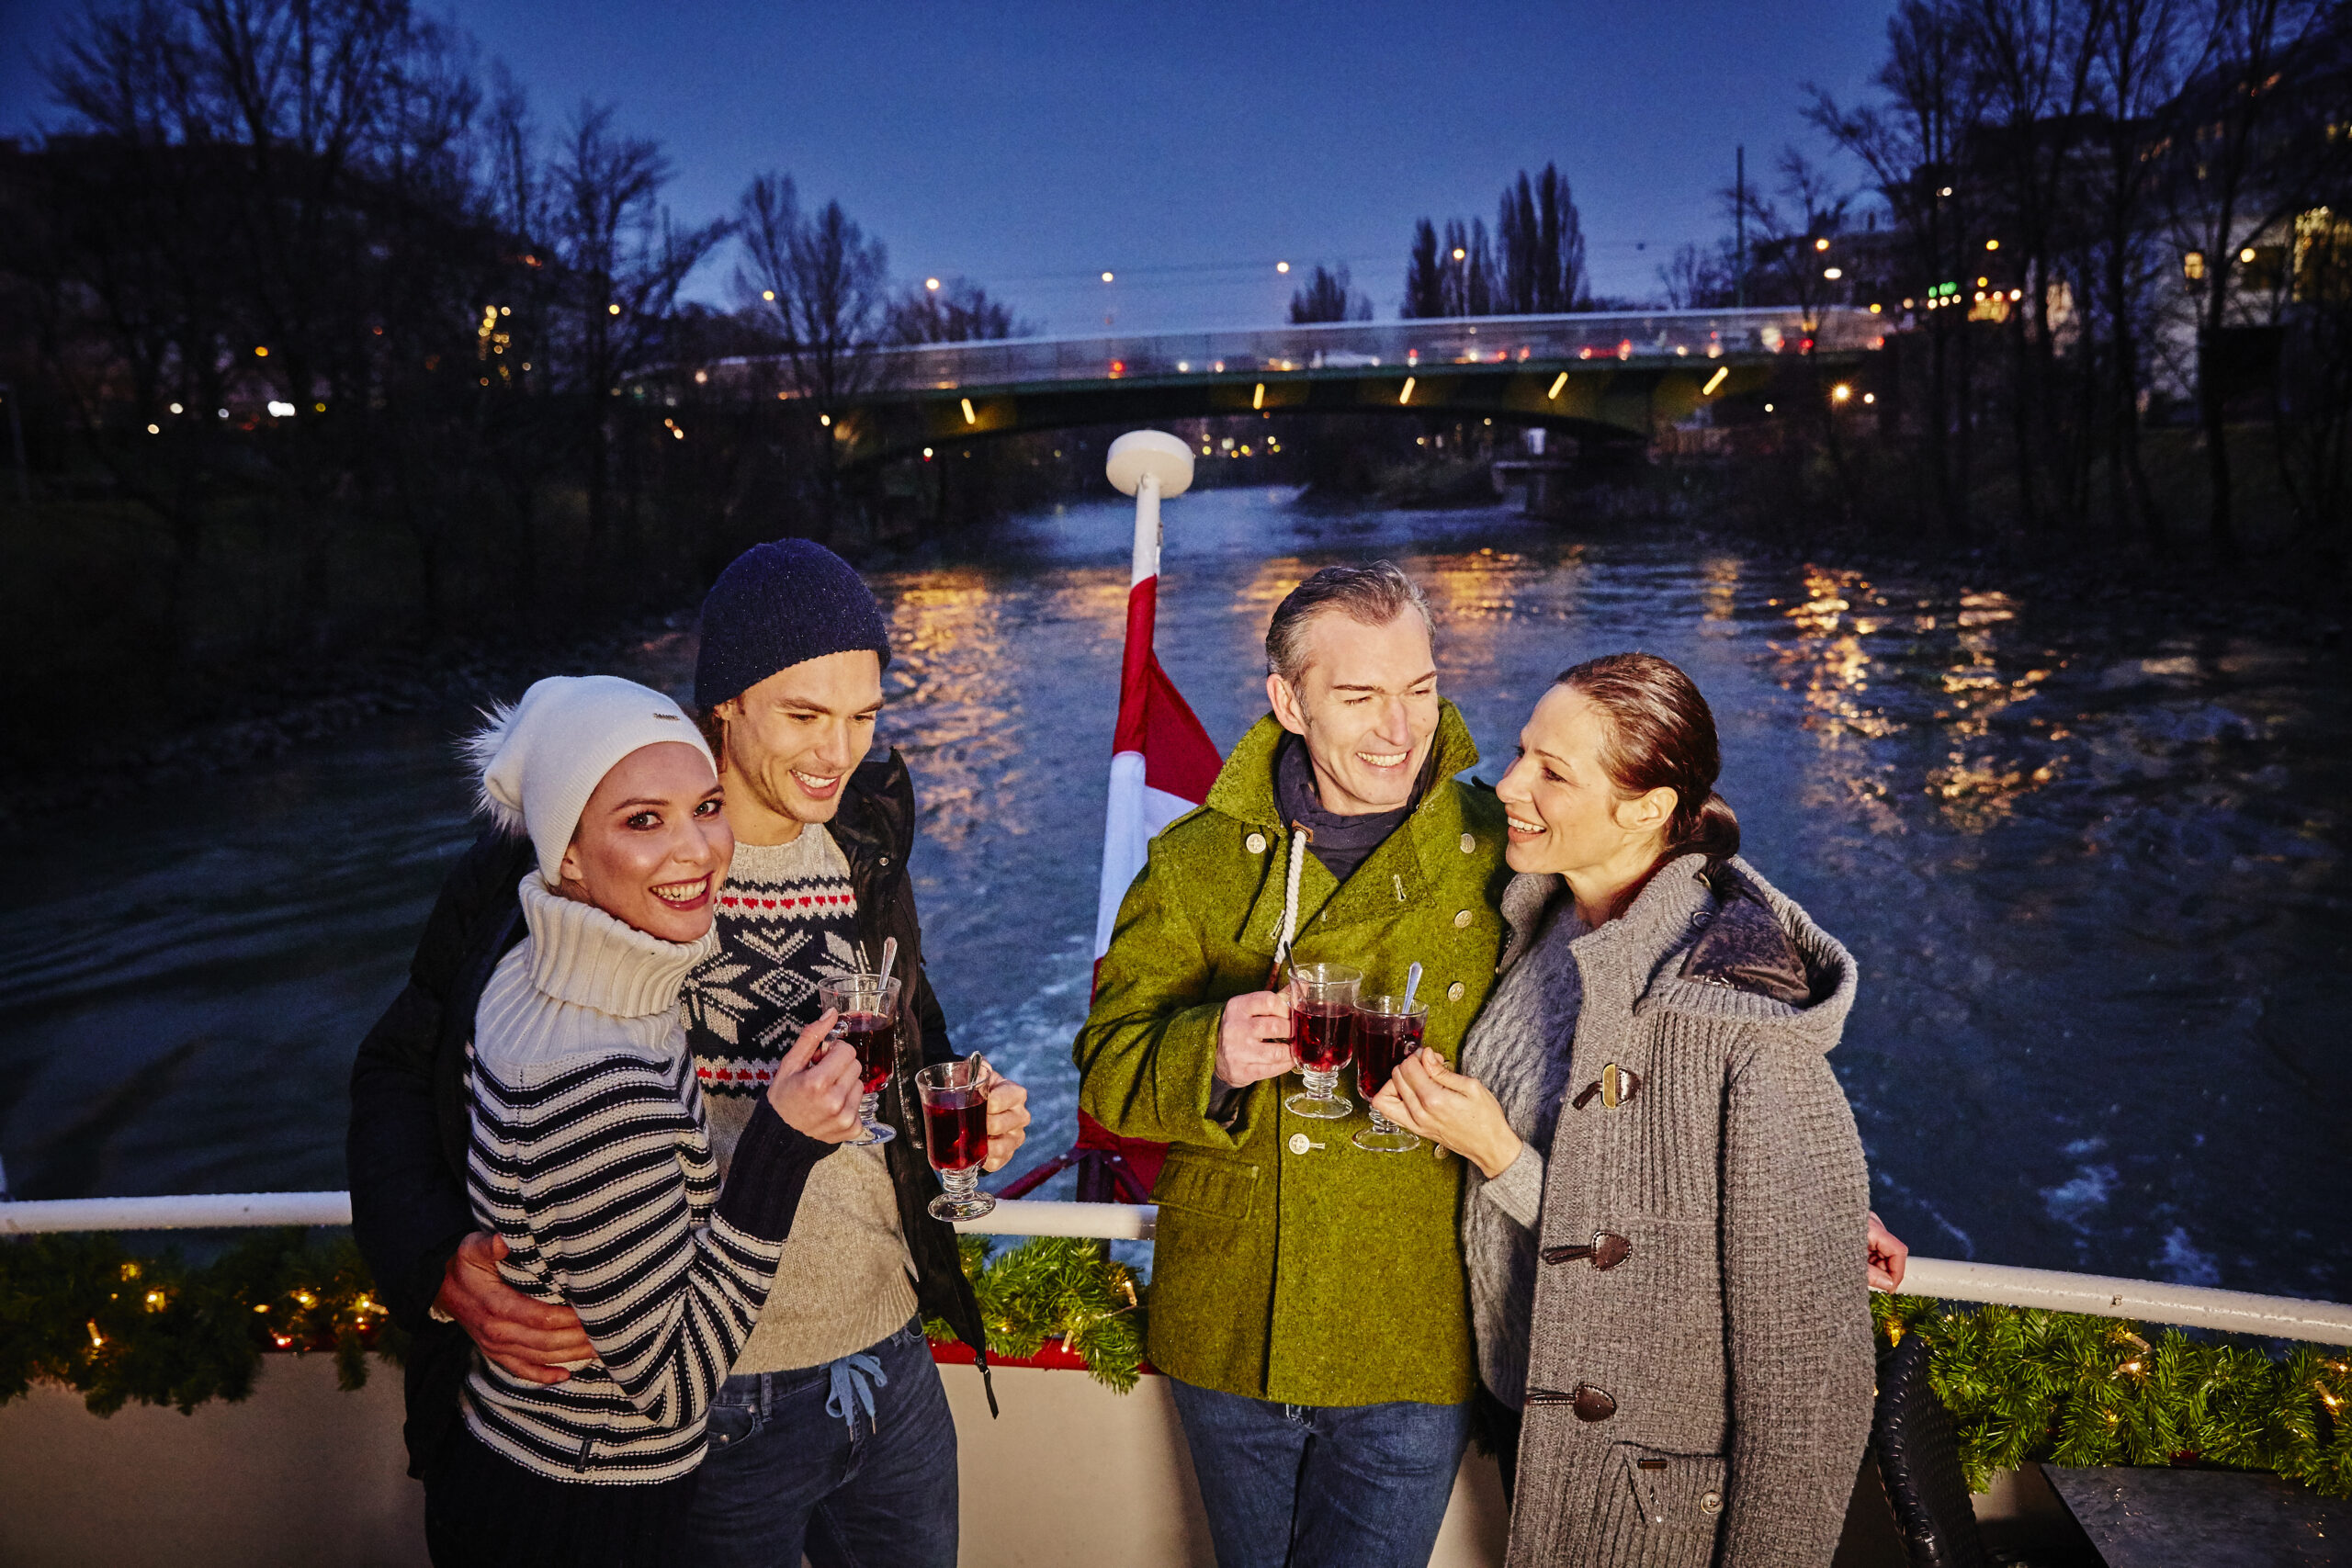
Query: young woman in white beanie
column 589, row 1154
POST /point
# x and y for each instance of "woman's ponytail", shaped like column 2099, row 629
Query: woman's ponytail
column 1713, row 833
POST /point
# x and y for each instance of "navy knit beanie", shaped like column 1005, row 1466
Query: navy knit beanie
column 777, row 606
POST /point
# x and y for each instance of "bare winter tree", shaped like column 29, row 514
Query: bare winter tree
column 823, row 283
column 957, row 310
column 1540, row 241
column 2244, row 164
column 1912, row 146
column 1424, row 274
column 1699, row 279
column 626, row 261
column 1328, row 296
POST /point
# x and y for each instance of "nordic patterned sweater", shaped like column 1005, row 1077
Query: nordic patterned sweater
column 787, row 918
column 589, row 1155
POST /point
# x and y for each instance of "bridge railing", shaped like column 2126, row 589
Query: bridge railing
column 2234, row 1312
column 1404, row 347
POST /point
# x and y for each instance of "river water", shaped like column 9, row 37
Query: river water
column 2091, row 867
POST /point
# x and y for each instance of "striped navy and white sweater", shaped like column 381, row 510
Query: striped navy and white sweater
column 590, row 1156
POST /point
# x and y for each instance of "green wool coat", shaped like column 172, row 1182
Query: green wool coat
column 1290, row 1265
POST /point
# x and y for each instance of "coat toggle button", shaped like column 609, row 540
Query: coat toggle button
column 1606, row 1250
column 1462, row 921
column 1255, row 844
column 1454, row 992
column 1300, row 1143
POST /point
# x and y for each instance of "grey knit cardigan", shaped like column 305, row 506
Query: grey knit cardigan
column 1704, row 1401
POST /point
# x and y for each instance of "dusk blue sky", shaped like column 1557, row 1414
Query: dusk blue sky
column 1185, row 148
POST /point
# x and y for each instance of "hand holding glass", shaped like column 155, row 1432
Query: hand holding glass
column 955, row 1133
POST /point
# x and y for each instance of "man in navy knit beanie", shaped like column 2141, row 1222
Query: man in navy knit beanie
column 780, row 604
column 831, row 1436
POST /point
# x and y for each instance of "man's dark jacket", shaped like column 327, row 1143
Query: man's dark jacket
column 409, row 1115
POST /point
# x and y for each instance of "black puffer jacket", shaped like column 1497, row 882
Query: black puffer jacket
column 409, row 1112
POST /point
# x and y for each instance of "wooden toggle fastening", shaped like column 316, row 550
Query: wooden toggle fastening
column 1589, row 1403
column 1607, row 1250
column 1615, row 1086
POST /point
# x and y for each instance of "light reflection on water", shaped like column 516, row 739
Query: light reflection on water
column 2089, row 866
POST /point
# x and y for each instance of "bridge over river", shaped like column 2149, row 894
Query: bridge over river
column 1609, row 375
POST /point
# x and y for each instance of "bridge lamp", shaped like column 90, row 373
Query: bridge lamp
column 1406, row 395
column 1258, row 398
column 826, row 420
column 1282, row 266
column 1106, row 277
column 1821, row 245
column 970, row 417
column 2245, row 256
column 931, row 284
column 1992, row 245
column 1557, row 383
column 612, row 309
column 1832, row 273
column 1722, row 374
column 926, row 454
column 768, row 295
column 1459, row 253
column 1840, row 392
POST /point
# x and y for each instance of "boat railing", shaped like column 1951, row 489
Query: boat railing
column 2146, row 1301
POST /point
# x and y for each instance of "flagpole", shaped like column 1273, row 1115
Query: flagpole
column 1162, row 764
column 1148, row 465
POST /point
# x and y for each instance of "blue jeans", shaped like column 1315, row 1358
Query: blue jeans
column 1364, row 1486
column 799, row 1462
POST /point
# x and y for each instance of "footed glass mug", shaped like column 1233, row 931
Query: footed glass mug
column 1387, row 1031
column 955, row 1133
column 1322, row 1036
column 868, row 1005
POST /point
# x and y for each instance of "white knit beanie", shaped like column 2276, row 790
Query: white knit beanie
column 542, row 758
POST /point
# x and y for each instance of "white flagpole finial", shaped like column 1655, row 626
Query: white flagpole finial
column 1155, row 453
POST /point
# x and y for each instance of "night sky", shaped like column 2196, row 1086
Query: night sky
column 1185, row 148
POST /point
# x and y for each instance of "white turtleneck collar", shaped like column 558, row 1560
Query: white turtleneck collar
column 582, row 955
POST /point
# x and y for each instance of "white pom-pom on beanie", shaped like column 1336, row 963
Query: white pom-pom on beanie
column 540, row 760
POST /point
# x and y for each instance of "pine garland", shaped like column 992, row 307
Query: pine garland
column 1057, row 1288
column 2021, row 1385
column 77, row 1310
column 81, row 1312
column 2024, row 1385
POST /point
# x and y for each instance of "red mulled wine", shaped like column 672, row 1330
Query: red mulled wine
column 956, row 1124
column 871, row 1035
column 1322, row 1035
column 1382, row 1040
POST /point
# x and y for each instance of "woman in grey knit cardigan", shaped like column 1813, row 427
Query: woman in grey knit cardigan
column 1668, row 1197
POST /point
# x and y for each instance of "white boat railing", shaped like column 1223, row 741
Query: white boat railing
column 2234, row 1312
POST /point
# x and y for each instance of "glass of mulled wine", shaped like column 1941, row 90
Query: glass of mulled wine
column 868, row 1005
column 955, row 1133
column 1386, row 1033
column 1322, row 1036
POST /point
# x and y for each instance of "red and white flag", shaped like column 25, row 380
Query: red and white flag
column 1162, row 761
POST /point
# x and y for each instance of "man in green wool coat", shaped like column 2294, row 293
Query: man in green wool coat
column 1307, row 1299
